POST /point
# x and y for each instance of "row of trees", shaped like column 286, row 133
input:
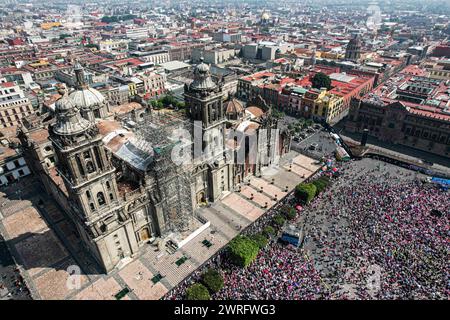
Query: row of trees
column 110, row 19
column 211, row 282
column 242, row 250
column 305, row 192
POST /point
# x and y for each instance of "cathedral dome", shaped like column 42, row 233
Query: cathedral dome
column 233, row 106
column 63, row 104
column 202, row 68
column 68, row 117
column 87, row 98
column 202, row 78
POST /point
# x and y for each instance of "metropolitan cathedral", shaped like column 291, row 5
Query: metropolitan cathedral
column 111, row 171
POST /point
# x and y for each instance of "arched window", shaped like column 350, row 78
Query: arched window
column 92, row 206
column 101, row 199
column 88, row 195
column 111, row 197
column 108, row 185
column 90, row 166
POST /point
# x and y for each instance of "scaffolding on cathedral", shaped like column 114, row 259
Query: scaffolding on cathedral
column 174, row 181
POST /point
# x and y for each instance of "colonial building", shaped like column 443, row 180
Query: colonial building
column 118, row 182
column 14, row 105
column 408, row 110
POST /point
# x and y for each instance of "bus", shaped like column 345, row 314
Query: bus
column 443, row 183
column 341, row 154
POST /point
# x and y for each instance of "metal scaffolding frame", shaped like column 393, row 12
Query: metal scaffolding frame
column 173, row 181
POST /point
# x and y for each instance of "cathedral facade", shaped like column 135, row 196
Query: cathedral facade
column 119, row 185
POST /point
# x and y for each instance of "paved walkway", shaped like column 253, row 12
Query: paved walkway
column 47, row 248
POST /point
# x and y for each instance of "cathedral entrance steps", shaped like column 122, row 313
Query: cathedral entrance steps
column 243, row 207
column 306, row 162
column 228, row 212
column 302, row 172
column 224, row 194
column 267, row 188
column 256, row 197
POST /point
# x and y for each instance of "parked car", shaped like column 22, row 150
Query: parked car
column 313, row 146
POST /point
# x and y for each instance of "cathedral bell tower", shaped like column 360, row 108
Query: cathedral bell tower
column 89, row 180
column 204, row 99
column 80, row 76
column 204, row 102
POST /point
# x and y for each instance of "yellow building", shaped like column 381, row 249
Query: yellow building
column 330, row 55
column 327, row 106
column 440, row 73
column 132, row 89
column 49, row 25
column 439, row 70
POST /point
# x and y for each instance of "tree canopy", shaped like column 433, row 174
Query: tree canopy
column 213, row 280
column 167, row 101
column 321, row 80
column 197, row 292
column 278, row 220
column 260, row 239
column 242, row 251
column 305, row 192
column 321, row 183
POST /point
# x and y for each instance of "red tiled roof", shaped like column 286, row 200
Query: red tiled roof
column 8, row 84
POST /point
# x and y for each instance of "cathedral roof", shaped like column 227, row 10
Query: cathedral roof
column 68, row 117
column 87, row 98
column 255, row 111
column 233, row 106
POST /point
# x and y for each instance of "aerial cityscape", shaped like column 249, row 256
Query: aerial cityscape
column 224, row 150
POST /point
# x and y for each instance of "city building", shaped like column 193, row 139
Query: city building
column 12, row 163
column 407, row 110
column 14, row 105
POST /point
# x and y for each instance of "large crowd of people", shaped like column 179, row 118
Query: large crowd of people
column 379, row 232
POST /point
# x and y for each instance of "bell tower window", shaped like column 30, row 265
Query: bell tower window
column 80, row 166
column 98, row 158
column 89, row 166
column 101, row 199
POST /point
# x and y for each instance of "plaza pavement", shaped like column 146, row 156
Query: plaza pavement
column 44, row 244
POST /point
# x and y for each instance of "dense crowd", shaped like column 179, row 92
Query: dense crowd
column 378, row 233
